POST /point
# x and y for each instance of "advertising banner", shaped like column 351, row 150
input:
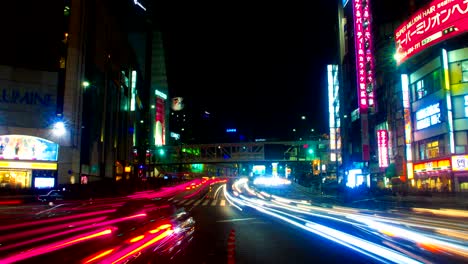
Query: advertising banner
column 438, row 21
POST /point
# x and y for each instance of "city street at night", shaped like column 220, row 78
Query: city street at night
column 234, row 222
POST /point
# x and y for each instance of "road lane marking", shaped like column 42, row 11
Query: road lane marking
column 236, row 220
column 181, row 202
column 50, row 209
column 197, row 203
column 205, row 202
column 213, row 203
column 223, row 203
column 189, row 202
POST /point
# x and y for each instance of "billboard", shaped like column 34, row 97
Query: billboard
column 160, row 119
column 438, row 21
column 20, row 147
column 177, row 103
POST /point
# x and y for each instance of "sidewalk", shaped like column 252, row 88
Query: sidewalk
column 385, row 202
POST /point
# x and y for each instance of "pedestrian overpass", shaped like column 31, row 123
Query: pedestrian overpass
column 274, row 151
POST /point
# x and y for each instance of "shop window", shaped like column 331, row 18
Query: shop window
column 15, row 179
column 464, row 186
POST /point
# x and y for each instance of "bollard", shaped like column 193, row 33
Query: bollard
column 231, row 247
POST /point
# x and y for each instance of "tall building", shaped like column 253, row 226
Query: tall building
column 30, row 80
column 432, row 60
column 414, row 53
column 357, row 96
column 74, row 84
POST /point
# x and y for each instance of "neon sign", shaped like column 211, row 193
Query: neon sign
column 434, row 165
column 382, row 142
column 364, row 56
column 428, row 116
column 438, row 21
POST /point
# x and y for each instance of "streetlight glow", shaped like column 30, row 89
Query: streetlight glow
column 59, row 128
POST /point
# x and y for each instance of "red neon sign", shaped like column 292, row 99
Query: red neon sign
column 438, row 21
column 382, row 143
column 364, row 56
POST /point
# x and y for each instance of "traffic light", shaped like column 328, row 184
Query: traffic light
column 161, row 152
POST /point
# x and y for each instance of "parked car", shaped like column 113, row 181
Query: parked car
column 52, row 195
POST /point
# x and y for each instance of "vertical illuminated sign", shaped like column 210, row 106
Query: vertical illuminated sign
column 408, row 131
column 448, row 98
column 133, row 91
column 333, row 112
column 382, row 142
column 364, row 68
column 364, row 56
column 160, row 119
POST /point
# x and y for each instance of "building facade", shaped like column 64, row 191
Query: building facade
column 417, row 125
column 30, row 98
column 432, row 57
column 73, row 90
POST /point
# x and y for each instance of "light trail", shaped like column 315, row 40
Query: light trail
column 442, row 238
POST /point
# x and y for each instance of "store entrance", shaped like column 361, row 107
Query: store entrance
column 15, row 178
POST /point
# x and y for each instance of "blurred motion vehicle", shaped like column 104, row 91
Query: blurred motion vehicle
column 148, row 231
column 52, row 195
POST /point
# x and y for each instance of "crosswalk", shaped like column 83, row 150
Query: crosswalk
column 201, row 202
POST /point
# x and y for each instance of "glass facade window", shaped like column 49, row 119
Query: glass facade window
column 426, row 85
column 466, row 105
column 464, row 67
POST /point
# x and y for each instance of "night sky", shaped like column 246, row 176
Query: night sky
column 256, row 65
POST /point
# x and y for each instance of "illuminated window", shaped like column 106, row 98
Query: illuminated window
column 420, row 90
column 433, row 149
column 429, row 150
column 66, row 11
column 427, row 85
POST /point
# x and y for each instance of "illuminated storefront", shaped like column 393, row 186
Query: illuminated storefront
column 434, row 175
column 27, row 161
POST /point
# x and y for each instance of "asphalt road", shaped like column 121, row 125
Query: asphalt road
column 258, row 238
column 260, row 233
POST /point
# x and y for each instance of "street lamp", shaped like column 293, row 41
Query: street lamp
column 59, row 128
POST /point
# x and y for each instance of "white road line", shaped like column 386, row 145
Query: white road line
column 181, row 202
column 43, row 211
column 197, row 203
column 213, row 203
column 223, row 202
column 205, row 202
column 236, row 220
column 189, row 202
